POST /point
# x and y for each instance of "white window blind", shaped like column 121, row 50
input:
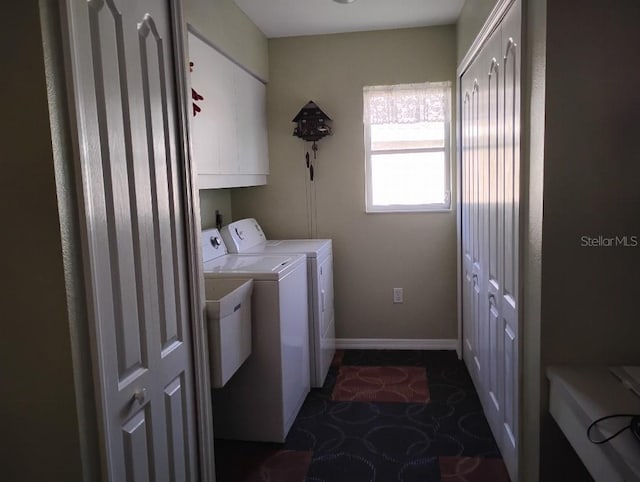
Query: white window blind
column 407, row 147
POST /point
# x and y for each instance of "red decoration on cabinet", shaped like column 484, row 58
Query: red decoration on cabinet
column 194, row 95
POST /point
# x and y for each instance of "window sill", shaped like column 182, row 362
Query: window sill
column 390, row 210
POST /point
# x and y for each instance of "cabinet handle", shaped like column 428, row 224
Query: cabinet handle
column 492, row 298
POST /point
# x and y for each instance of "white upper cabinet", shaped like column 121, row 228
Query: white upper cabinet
column 229, row 132
column 251, row 115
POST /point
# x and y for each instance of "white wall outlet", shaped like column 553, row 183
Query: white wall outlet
column 398, row 295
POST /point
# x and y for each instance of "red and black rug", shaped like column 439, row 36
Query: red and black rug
column 381, row 384
column 381, row 416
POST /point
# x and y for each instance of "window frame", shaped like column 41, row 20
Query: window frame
column 447, row 206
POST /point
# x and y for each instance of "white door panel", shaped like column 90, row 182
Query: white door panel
column 490, row 146
column 472, row 219
column 491, row 279
column 176, row 399
column 138, row 458
column 510, row 52
column 468, row 345
column 126, row 110
column 478, row 338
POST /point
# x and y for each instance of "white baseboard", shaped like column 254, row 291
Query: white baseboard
column 396, row 344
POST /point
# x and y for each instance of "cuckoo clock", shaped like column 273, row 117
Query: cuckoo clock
column 311, row 125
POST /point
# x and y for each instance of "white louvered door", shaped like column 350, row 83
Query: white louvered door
column 121, row 54
column 490, row 180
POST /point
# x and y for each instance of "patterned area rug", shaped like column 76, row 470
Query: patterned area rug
column 381, row 384
column 381, row 416
column 471, row 469
column 256, row 462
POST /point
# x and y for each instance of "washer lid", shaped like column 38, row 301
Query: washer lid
column 245, row 236
column 311, row 247
column 256, row 267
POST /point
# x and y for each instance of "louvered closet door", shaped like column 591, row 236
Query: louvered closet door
column 126, row 108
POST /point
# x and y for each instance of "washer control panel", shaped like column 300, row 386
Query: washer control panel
column 242, row 235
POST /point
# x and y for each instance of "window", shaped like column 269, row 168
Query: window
column 406, row 130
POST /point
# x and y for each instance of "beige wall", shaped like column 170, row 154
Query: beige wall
column 587, row 295
column 592, row 183
column 471, row 19
column 229, row 29
column 591, row 188
column 212, row 200
column 39, row 419
column 372, row 252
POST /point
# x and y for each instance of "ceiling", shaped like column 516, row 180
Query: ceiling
column 287, row 18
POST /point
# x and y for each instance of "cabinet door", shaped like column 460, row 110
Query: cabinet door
column 221, row 110
column 213, row 129
column 225, row 112
column 229, row 133
column 253, row 156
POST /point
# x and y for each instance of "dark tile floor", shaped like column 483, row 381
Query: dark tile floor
column 381, row 416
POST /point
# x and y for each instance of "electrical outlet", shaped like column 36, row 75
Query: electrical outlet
column 398, row 295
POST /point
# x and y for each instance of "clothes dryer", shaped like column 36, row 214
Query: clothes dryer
column 247, row 237
column 260, row 402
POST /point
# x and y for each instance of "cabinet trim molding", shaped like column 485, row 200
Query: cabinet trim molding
column 216, row 181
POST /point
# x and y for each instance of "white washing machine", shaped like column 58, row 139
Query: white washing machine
column 246, row 237
column 262, row 399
